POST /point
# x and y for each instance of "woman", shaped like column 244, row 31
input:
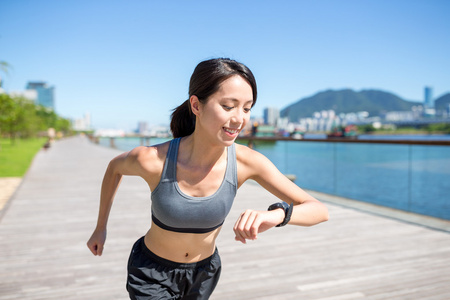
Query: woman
column 194, row 179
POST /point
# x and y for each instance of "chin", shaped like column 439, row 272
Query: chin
column 228, row 141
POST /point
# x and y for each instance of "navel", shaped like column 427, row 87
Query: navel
column 187, row 254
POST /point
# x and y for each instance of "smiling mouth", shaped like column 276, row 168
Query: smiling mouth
column 231, row 131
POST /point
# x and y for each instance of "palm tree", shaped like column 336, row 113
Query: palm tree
column 4, row 67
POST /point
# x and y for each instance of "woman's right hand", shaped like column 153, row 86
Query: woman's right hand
column 97, row 241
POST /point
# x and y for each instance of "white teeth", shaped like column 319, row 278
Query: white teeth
column 232, row 131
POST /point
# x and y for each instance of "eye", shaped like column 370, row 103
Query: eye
column 227, row 107
column 247, row 110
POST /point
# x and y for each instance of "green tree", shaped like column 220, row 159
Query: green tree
column 439, row 127
column 20, row 117
column 49, row 119
column 367, row 128
column 28, row 123
column 7, row 113
column 63, row 125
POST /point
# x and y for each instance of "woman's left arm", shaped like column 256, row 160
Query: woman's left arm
column 307, row 210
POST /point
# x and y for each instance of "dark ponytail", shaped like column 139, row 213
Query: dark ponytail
column 205, row 81
column 183, row 120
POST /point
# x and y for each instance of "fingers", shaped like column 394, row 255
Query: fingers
column 96, row 249
column 247, row 226
column 93, row 247
column 99, row 249
column 96, row 242
column 238, row 236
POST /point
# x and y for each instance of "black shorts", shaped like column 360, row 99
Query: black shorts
column 153, row 277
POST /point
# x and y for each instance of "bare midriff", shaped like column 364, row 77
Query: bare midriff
column 181, row 247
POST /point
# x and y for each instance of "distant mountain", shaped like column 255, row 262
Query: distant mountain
column 375, row 102
column 442, row 102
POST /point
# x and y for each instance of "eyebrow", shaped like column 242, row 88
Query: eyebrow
column 236, row 100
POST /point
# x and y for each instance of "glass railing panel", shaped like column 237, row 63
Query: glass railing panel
column 413, row 178
column 430, row 180
column 375, row 173
column 312, row 163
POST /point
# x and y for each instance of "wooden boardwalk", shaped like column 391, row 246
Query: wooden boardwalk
column 355, row 255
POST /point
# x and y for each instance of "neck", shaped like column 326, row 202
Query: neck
column 200, row 151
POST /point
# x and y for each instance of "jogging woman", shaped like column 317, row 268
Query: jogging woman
column 193, row 181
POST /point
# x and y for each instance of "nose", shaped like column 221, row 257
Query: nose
column 238, row 116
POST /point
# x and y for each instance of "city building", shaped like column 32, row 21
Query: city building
column 395, row 116
column 83, row 124
column 160, row 131
column 142, row 128
column 428, row 97
column 45, row 93
column 271, row 115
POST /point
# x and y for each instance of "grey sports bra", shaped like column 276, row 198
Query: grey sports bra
column 175, row 211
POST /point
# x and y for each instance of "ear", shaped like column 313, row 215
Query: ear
column 195, row 105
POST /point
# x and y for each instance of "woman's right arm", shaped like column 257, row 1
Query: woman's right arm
column 125, row 164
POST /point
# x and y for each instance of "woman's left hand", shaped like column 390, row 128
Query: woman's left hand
column 252, row 222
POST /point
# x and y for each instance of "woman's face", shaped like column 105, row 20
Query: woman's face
column 227, row 111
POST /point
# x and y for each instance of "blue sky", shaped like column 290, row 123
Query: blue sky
column 130, row 61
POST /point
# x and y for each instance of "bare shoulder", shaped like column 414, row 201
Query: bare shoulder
column 150, row 156
column 149, row 161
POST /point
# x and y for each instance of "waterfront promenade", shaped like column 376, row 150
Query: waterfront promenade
column 355, row 255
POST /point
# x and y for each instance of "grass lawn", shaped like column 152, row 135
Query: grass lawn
column 16, row 158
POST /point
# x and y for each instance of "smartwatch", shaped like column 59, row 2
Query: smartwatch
column 287, row 211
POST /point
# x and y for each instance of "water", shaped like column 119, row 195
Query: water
column 413, row 178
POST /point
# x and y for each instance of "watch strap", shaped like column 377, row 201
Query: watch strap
column 287, row 211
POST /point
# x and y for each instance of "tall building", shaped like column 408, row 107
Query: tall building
column 83, row 124
column 428, row 97
column 271, row 115
column 142, row 128
column 45, row 93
